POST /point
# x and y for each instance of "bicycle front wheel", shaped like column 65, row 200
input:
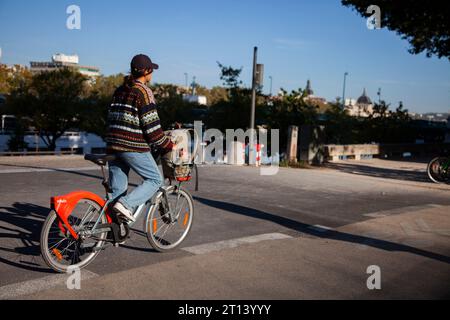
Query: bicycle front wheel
column 438, row 170
column 163, row 232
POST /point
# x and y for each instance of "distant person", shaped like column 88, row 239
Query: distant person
column 133, row 129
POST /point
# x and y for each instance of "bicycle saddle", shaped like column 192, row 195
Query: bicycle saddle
column 100, row 159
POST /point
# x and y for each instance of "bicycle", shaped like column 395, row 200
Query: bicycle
column 81, row 224
column 438, row 169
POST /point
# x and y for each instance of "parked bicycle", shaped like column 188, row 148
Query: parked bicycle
column 439, row 169
column 82, row 224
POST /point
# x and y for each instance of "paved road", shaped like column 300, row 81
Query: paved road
column 232, row 203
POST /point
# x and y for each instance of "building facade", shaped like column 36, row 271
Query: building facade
column 65, row 61
column 362, row 107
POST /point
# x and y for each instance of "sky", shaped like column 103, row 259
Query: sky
column 297, row 40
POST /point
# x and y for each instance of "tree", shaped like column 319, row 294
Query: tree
column 340, row 127
column 213, row 95
column 95, row 107
column 105, row 86
column 424, row 24
column 230, row 76
column 52, row 102
column 12, row 77
column 289, row 109
column 232, row 112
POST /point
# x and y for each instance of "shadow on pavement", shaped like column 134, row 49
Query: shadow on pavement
column 80, row 173
column 57, row 170
column 397, row 174
column 329, row 234
column 20, row 230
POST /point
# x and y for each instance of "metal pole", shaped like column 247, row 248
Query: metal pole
column 194, row 85
column 270, row 77
column 186, row 79
column 343, row 91
column 252, row 114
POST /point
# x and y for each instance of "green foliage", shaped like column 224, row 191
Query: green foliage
column 340, row 128
column 230, row 76
column 213, row 95
column 12, row 78
column 105, row 86
column 171, row 106
column 95, row 105
column 424, row 24
column 288, row 109
column 381, row 126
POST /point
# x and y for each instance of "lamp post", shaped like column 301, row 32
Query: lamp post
column 252, row 112
column 194, row 85
column 271, row 79
column 186, row 79
column 343, row 91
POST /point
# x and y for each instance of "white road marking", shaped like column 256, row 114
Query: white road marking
column 29, row 170
column 233, row 243
column 385, row 213
column 13, row 291
column 320, row 228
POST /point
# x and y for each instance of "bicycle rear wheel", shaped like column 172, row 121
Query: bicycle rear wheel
column 163, row 233
column 60, row 250
column 438, row 170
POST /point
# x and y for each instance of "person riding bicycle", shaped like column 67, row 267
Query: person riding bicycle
column 133, row 129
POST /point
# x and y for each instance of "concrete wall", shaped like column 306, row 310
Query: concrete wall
column 357, row 151
column 360, row 151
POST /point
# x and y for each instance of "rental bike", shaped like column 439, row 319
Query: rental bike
column 81, row 224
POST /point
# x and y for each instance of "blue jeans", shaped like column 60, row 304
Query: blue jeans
column 145, row 166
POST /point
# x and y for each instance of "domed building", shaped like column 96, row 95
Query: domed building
column 311, row 98
column 362, row 107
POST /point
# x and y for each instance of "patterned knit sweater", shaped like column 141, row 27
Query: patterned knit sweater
column 133, row 122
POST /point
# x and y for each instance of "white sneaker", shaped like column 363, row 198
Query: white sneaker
column 121, row 210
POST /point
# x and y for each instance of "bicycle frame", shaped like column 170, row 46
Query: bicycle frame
column 64, row 205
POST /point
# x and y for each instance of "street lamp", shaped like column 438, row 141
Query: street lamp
column 343, row 91
column 194, row 85
column 257, row 81
column 186, row 79
column 271, row 79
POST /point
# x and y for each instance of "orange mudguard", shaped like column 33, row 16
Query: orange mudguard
column 64, row 205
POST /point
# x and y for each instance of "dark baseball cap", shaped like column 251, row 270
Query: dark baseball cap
column 142, row 62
